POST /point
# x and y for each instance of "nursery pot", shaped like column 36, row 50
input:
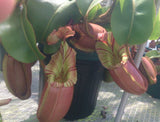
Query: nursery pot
column 153, row 90
column 90, row 75
column 2, row 53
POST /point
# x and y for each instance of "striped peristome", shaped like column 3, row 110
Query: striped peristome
column 110, row 53
column 62, row 67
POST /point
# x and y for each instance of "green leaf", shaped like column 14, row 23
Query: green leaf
column 47, row 15
column 121, row 4
column 156, row 29
column 86, row 5
column 18, row 37
column 153, row 54
column 93, row 13
column 96, row 11
column 51, row 49
column 132, row 21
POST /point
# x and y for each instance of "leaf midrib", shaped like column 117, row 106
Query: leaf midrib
column 132, row 19
column 50, row 20
column 25, row 35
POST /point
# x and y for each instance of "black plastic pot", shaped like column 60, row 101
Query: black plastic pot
column 90, row 75
column 153, row 90
column 2, row 53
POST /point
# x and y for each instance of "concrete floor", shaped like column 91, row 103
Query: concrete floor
column 138, row 109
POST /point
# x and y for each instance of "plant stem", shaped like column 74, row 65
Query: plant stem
column 125, row 95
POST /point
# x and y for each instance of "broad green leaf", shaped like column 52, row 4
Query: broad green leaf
column 153, row 54
column 51, row 49
column 133, row 23
column 18, row 37
column 93, row 13
column 86, row 5
column 47, row 15
column 156, row 28
column 121, row 4
column 96, row 11
column 62, row 67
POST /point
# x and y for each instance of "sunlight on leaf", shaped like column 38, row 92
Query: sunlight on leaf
column 122, row 4
column 156, row 29
column 85, row 6
column 92, row 5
